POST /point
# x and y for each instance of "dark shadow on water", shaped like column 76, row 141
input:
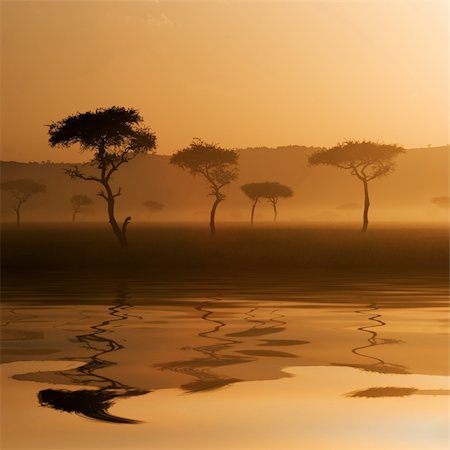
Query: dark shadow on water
column 392, row 391
column 94, row 403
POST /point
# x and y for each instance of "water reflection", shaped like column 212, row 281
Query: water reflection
column 204, row 345
column 213, row 356
column 94, row 403
column 377, row 364
column 391, row 391
column 229, row 349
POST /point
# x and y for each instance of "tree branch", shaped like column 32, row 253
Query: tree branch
column 75, row 173
column 102, row 194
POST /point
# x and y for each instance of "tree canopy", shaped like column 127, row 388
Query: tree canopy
column 267, row 190
column 80, row 200
column 105, row 129
column 349, row 207
column 152, row 205
column 22, row 189
column 216, row 164
column 441, row 202
column 366, row 160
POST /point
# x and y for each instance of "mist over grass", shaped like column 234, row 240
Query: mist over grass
column 236, row 249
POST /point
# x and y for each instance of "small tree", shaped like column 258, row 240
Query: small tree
column 79, row 202
column 440, row 202
column 364, row 159
column 22, row 190
column 215, row 164
column 153, row 206
column 269, row 190
column 114, row 135
column 253, row 192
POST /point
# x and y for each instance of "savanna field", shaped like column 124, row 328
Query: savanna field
column 83, row 248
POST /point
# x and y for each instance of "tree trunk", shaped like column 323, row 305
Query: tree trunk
column 17, row 209
column 366, row 207
column 275, row 213
column 253, row 211
column 120, row 233
column 212, row 225
column 74, row 213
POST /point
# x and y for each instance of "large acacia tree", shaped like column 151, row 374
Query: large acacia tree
column 268, row 190
column 216, row 165
column 366, row 160
column 22, row 190
column 114, row 136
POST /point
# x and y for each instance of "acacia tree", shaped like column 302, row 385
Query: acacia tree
column 365, row 160
column 441, row 202
column 79, row 202
column 22, row 190
column 253, row 192
column 153, row 206
column 216, row 165
column 268, row 190
column 114, row 135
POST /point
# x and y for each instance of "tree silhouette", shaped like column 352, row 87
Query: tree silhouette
column 153, row 206
column 440, row 202
column 217, row 165
column 79, row 202
column 114, row 135
column 364, row 159
column 268, row 190
column 22, row 190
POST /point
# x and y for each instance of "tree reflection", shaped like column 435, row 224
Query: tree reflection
column 212, row 356
column 378, row 364
column 94, row 403
column 224, row 349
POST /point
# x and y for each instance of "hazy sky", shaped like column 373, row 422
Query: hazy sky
column 237, row 73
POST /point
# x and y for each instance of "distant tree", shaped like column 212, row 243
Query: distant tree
column 153, row 206
column 253, row 192
column 114, row 135
column 22, row 190
column 349, row 207
column 364, row 159
column 441, row 202
column 216, row 165
column 79, row 202
column 268, row 190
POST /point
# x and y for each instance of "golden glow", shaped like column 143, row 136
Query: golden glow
column 241, row 74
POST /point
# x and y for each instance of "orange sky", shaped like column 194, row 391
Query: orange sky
column 237, row 73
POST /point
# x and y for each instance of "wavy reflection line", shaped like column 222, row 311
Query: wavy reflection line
column 212, row 356
column 373, row 341
column 259, row 329
column 90, row 403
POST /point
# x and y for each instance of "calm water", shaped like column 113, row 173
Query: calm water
column 226, row 365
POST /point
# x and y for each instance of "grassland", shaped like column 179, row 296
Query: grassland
column 161, row 250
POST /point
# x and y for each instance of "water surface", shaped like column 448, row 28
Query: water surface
column 342, row 365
